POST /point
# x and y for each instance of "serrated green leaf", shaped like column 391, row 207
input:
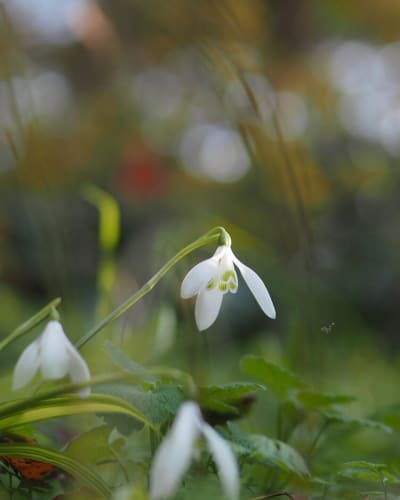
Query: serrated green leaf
column 358, row 422
column 361, row 475
column 226, row 396
column 368, row 471
column 79, row 471
column 316, row 399
column 156, row 405
column 279, row 380
column 363, row 464
column 256, row 448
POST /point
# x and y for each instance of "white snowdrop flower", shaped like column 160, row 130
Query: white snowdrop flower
column 55, row 356
column 212, row 278
column 175, row 453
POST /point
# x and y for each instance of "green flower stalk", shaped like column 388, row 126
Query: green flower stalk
column 27, row 326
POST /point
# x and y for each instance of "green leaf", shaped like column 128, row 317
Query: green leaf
column 256, row 448
column 390, row 416
column 79, row 471
column 126, row 363
column 279, row 380
column 220, row 403
column 93, row 446
column 368, row 471
column 69, row 405
column 156, row 405
column 363, row 464
column 316, row 399
column 29, row 324
column 365, row 423
column 392, row 421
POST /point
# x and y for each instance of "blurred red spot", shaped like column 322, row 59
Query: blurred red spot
column 141, row 174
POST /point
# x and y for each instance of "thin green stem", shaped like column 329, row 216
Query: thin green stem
column 216, row 234
column 279, row 422
column 317, row 437
column 206, row 361
column 30, row 323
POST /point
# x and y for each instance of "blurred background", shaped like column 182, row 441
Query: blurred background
column 128, row 129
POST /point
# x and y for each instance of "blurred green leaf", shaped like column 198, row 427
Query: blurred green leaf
column 363, row 464
column 126, row 363
column 357, row 422
column 218, row 397
column 93, row 446
column 392, row 421
column 157, row 405
column 220, row 403
column 315, row 399
column 79, row 471
column 279, row 380
column 71, row 405
column 368, row 471
column 390, row 416
column 256, row 448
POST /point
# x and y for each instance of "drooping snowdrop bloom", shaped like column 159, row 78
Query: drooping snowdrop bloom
column 55, row 356
column 211, row 279
column 174, row 455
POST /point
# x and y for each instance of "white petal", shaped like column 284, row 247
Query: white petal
column 54, row 357
column 78, row 369
column 27, row 365
column 257, row 288
column 198, row 277
column 225, row 460
column 207, row 307
column 173, row 456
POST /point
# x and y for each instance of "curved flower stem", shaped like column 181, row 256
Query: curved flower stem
column 216, row 234
column 30, row 323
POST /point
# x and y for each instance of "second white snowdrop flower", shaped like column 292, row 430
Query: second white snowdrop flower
column 54, row 355
column 212, row 278
column 174, row 455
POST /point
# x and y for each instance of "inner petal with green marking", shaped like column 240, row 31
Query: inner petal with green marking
column 228, row 281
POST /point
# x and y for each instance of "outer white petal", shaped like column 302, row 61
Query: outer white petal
column 207, row 307
column 257, row 288
column 198, row 277
column 27, row 365
column 54, row 356
column 78, row 369
column 225, row 460
column 173, row 457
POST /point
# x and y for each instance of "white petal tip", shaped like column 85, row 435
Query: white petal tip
column 257, row 288
column 16, row 386
column 208, row 305
column 84, row 393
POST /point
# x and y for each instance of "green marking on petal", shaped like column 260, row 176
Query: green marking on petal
column 230, row 274
column 233, row 286
column 211, row 285
column 222, row 286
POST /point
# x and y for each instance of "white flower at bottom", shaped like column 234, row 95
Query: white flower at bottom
column 212, row 278
column 174, row 455
column 55, row 356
